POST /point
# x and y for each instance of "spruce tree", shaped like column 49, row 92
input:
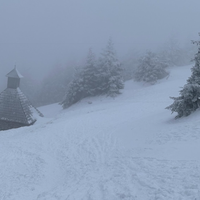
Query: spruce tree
column 75, row 91
column 95, row 80
column 84, row 83
column 150, row 69
column 89, row 75
column 189, row 99
column 109, row 72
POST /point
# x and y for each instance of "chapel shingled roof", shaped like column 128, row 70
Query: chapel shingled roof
column 15, row 107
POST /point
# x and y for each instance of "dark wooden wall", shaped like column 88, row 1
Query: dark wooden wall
column 13, row 83
column 5, row 125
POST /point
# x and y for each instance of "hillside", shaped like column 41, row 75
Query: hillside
column 128, row 148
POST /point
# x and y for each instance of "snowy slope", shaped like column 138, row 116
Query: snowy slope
column 125, row 148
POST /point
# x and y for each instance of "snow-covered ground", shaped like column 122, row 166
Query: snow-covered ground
column 127, row 148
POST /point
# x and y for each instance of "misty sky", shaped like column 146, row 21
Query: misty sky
column 38, row 34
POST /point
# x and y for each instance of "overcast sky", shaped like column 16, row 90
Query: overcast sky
column 37, row 34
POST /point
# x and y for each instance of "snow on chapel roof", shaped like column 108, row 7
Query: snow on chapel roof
column 15, row 107
column 14, row 74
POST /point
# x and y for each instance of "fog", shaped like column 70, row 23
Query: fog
column 36, row 35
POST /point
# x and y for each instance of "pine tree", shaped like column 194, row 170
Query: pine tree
column 150, row 69
column 109, row 72
column 75, row 91
column 95, row 80
column 83, row 84
column 89, row 75
column 189, row 99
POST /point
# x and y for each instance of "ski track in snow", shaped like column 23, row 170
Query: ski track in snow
column 128, row 148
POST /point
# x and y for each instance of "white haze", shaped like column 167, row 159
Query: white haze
column 36, row 35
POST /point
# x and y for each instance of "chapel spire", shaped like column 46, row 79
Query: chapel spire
column 14, row 78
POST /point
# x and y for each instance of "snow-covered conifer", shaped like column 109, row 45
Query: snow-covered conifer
column 89, row 75
column 187, row 102
column 84, row 83
column 150, row 69
column 75, row 91
column 106, row 78
column 109, row 72
column 189, row 99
